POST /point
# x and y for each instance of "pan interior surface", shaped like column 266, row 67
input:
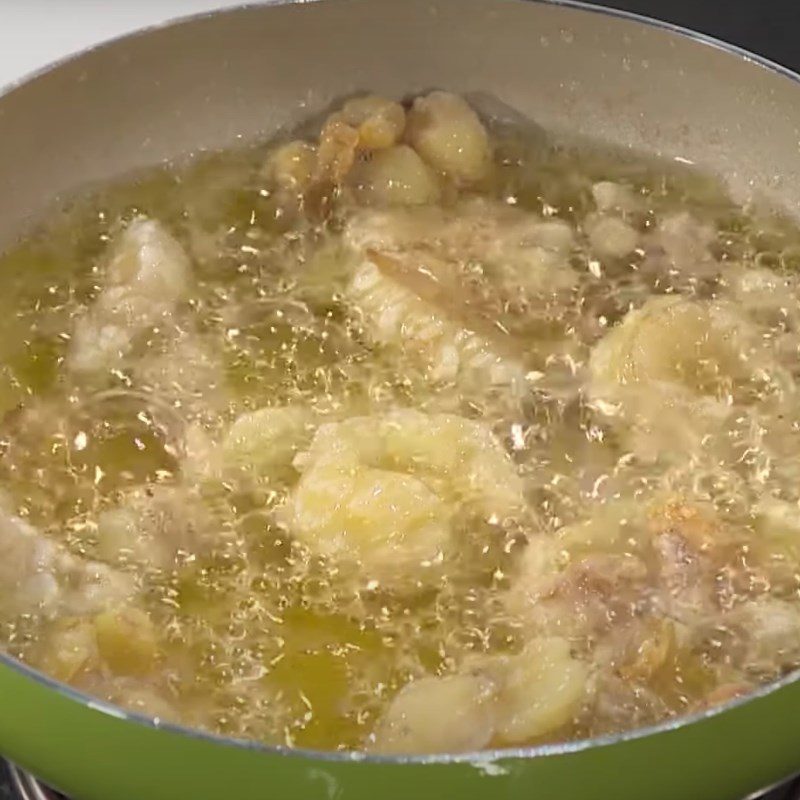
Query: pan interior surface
column 203, row 84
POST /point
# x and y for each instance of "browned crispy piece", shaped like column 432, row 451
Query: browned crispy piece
column 696, row 526
column 436, row 281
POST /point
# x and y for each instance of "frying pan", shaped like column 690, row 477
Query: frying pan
column 209, row 81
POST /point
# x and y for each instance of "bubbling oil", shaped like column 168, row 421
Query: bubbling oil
column 665, row 557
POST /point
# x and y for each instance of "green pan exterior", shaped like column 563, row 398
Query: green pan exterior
column 208, row 82
column 93, row 755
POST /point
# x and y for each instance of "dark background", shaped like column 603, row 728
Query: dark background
column 770, row 28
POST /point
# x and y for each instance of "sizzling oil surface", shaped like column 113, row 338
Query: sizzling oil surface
column 562, row 456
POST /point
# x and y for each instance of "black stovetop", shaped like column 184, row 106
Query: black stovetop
column 767, row 27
